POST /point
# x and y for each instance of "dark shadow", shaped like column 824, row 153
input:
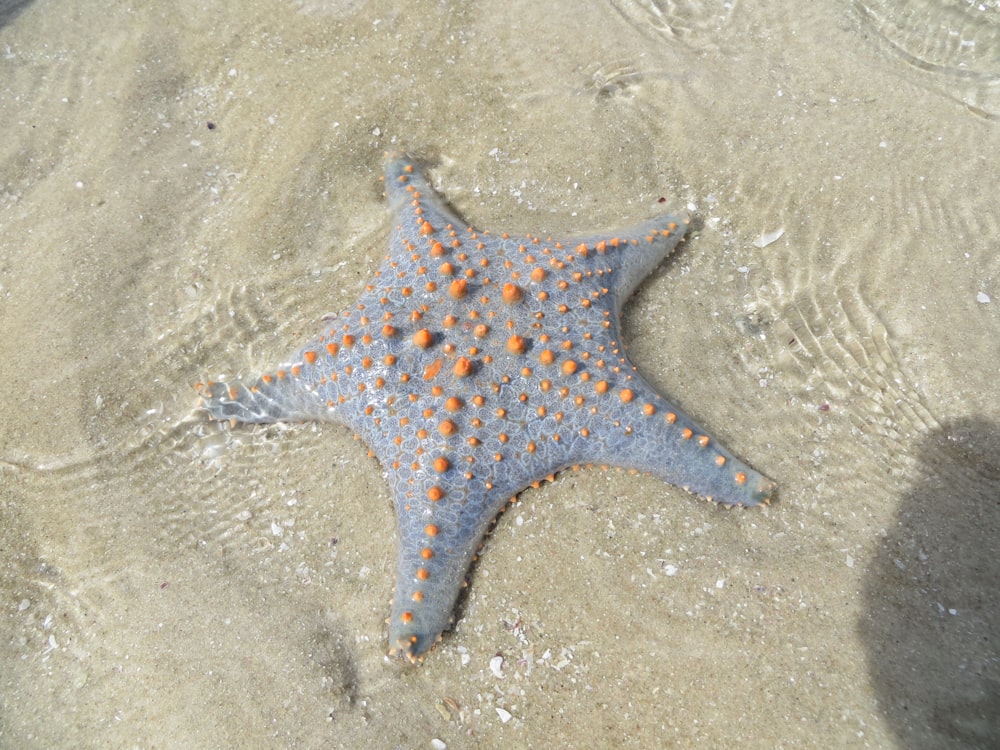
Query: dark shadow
column 9, row 9
column 932, row 599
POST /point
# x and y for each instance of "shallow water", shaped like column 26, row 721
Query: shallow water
column 187, row 191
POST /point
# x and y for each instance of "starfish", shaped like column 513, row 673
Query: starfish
column 476, row 365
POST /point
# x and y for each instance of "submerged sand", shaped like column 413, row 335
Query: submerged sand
column 187, row 189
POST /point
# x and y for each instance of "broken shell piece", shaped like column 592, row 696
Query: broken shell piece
column 768, row 237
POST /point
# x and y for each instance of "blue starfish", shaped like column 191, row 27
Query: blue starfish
column 475, row 365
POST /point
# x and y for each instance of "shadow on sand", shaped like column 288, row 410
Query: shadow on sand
column 932, row 627
column 9, row 10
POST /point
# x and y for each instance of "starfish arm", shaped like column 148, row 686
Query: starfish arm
column 437, row 544
column 654, row 436
column 632, row 254
column 406, row 186
column 258, row 403
column 296, row 392
column 442, row 518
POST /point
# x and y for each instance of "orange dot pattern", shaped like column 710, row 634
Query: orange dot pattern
column 476, row 365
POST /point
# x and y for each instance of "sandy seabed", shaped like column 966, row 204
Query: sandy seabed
column 188, row 188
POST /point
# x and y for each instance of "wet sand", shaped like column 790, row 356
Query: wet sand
column 188, row 191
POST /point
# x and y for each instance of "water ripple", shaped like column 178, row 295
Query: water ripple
column 954, row 48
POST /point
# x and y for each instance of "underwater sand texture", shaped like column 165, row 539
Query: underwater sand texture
column 187, row 191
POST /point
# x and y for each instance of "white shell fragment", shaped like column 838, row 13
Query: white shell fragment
column 496, row 666
column 768, row 237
